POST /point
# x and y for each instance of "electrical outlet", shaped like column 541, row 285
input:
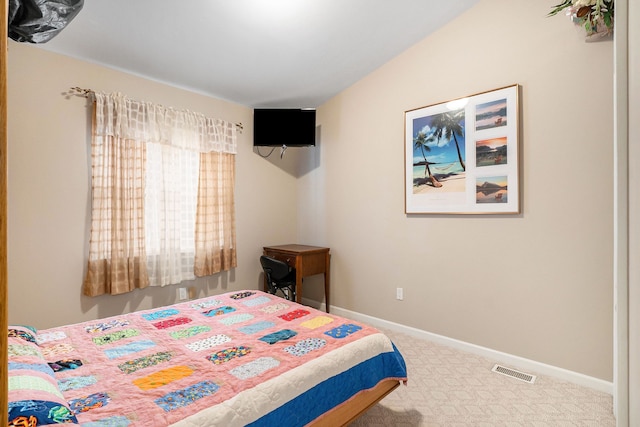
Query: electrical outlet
column 182, row 294
column 399, row 294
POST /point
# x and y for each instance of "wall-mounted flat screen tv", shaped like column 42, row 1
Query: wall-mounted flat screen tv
column 275, row 127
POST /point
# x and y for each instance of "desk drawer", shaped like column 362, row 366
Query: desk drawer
column 290, row 260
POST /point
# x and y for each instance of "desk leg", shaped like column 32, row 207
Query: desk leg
column 299, row 274
column 327, row 276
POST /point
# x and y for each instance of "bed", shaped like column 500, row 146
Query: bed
column 240, row 358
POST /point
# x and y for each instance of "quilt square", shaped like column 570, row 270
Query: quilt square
column 105, row 326
column 115, row 336
column 115, row 421
column 161, row 314
column 178, row 399
column 75, row 383
column 39, row 413
column 255, row 368
column 282, row 335
column 253, row 302
column 241, row 295
column 163, row 377
column 65, row 364
column 236, row 318
column 134, row 365
column 134, row 347
column 169, row 323
column 295, row 314
column 57, row 349
column 219, row 311
column 256, row 327
column 228, row 354
column 207, row 303
column 87, row 403
column 305, row 346
column 50, row 336
column 207, row 343
column 343, row 330
column 190, row 332
column 40, row 367
column 274, row 308
column 24, row 334
column 316, row 322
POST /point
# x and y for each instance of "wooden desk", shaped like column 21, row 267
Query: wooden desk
column 307, row 260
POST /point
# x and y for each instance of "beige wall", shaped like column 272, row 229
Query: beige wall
column 537, row 285
column 548, row 298
column 49, row 179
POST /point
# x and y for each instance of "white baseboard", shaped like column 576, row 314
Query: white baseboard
column 508, row 359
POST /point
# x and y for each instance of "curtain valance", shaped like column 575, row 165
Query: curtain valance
column 121, row 117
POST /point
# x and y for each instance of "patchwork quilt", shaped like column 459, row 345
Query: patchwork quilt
column 240, row 358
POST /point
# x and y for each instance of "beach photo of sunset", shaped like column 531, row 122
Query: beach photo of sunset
column 491, row 152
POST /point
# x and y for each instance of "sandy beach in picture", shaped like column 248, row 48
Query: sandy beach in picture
column 450, row 184
column 439, row 153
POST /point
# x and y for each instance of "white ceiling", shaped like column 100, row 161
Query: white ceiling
column 259, row 53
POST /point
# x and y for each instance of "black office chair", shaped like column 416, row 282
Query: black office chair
column 281, row 279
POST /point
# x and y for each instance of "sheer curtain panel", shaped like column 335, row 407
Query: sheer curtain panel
column 183, row 224
column 170, row 213
column 216, row 223
column 117, row 259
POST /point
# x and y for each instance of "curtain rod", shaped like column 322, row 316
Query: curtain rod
column 86, row 93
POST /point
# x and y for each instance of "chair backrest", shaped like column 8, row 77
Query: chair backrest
column 273, row 267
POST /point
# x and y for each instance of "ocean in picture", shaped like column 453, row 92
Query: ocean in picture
column 438, row 169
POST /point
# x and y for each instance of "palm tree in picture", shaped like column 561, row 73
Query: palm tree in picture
column 420, row 142
column 448, row 125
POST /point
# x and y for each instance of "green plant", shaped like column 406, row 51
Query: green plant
column 593, row 15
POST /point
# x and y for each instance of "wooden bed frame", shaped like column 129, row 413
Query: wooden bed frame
column 347, row 412
column 4, row 368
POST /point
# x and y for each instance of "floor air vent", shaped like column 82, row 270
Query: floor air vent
column 528, row 378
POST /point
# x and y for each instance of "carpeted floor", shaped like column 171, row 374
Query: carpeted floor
column 448, row 387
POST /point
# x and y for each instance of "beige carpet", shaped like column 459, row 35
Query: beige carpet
column 448, row 387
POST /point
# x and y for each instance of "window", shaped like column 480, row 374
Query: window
column 162, row 196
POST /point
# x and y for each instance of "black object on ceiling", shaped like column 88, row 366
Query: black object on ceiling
column 38, row 21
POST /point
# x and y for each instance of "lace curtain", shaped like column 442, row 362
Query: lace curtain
column 162, row 198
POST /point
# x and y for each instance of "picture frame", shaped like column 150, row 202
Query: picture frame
column 462, row 156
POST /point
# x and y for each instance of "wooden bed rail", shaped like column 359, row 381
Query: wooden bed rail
column 346, row 413
column 4, row 303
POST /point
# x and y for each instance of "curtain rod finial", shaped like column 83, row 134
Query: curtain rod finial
column 78, row 91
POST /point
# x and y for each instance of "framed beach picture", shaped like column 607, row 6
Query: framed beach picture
column 461, row 156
